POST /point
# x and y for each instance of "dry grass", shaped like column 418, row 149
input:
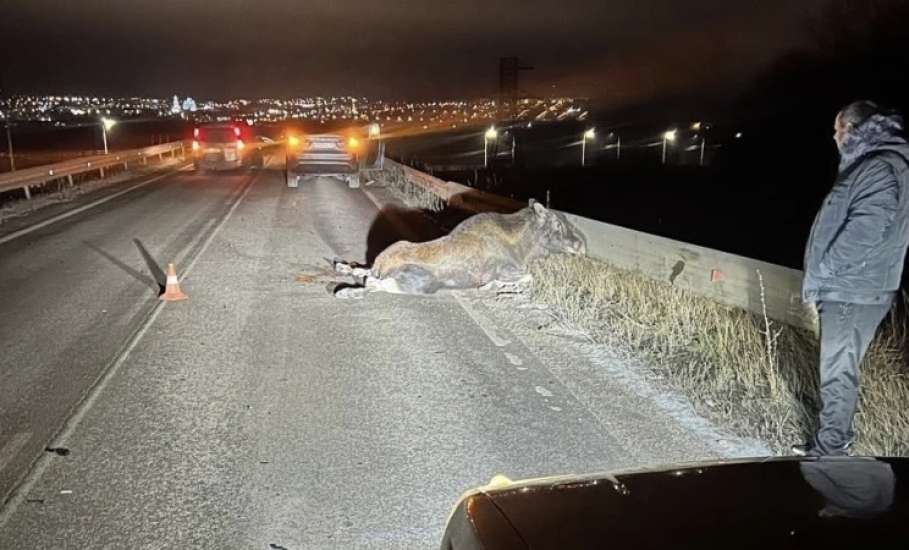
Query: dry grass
column 758, row 377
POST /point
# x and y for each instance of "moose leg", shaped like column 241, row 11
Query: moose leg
column 348, row 268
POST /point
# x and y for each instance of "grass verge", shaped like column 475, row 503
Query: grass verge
column 756, row 376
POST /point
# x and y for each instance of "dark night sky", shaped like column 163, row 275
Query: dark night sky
column 606, row 49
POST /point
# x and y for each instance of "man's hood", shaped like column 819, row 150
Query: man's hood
column 879, row 133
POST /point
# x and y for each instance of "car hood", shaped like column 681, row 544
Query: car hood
column 777, row 503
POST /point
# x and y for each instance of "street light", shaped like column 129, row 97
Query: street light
column 491, row 135
column 106, row 125
column 9, row 146
column 668, row 137
column 617, row 146
column 375, row 131
column 589, row 134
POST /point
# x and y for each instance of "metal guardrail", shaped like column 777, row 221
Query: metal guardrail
column 39, row 175
column 732, row 280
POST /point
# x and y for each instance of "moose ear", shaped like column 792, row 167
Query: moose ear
column 538, row 208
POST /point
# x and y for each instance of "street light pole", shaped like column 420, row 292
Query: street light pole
column 589, row 134
column 668, row 137
column 618, row 149
column 9, row 146
column 514, row 139
column 106, row 125
column 491, row 134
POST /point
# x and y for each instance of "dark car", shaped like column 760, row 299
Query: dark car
column 323, row 155
column 223, row 147
column 774, row 504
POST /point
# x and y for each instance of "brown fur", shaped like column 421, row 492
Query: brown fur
column 482, row 249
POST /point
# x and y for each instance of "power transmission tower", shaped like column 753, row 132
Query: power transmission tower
column 509, row 79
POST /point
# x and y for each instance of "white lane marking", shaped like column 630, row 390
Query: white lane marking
column 373, row 198
column 514, row 359
column 543, row 391
column 74, row 211
column 12, row 447
column 218, row 227
column 482, row 322
column 94, row 392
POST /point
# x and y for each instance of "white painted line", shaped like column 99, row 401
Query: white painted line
column 71, row 423
column 12, row 447
column 218, row 227
column 74, row 211
column 373, row 198
column 485, row 325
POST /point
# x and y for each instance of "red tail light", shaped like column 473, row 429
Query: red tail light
column 237, row 131
column 196, row 133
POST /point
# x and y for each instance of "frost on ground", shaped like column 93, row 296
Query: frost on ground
column 633, row 402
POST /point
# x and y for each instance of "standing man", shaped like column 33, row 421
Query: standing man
column 854, row 260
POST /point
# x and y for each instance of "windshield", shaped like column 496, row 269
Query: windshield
column 289, row 274
column 217, row 135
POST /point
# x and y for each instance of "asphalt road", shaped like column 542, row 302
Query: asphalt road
column 73, row 291
column 263, row 412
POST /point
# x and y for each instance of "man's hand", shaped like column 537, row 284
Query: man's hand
column 814, row 320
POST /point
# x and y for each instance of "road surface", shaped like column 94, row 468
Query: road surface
column 263, row 411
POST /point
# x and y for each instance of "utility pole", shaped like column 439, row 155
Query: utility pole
column 9, row 146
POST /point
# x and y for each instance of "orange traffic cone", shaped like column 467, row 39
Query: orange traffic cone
column 172, row 292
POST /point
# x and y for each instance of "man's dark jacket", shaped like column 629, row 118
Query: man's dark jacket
column 857, row 246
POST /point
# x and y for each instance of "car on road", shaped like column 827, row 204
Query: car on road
column 332, row 155
column 223, row 147
column 778, row 503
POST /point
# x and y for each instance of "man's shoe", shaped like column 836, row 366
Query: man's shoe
column 810, row 450
column 804, row 450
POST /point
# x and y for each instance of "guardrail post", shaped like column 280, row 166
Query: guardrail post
column 101, row 171
column 69, row 179
column 28, row 193
column 144, row 159
column 126, row 165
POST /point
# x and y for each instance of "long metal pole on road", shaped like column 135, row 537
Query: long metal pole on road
column 9, row 146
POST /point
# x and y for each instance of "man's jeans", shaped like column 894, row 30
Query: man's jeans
column 846, row 331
